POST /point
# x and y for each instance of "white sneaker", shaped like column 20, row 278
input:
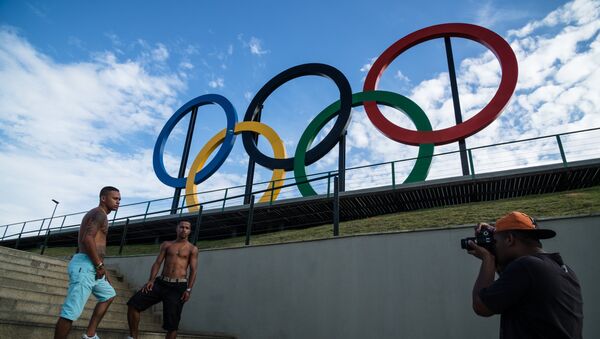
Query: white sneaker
column 85, row 336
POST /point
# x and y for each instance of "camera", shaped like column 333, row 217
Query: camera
column 484, row 239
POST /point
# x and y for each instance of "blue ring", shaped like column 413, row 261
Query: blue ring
column 219, row 158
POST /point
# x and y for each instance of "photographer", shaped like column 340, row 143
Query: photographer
column 536, row 294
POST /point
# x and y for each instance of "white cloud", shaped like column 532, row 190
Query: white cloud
column 255, row 46
column 69, row 129
column 217, row 83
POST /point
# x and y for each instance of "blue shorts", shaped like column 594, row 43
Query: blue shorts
column 82, row 283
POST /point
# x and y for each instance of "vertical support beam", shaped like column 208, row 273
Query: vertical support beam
column 41, row 226
column 5, row 229
column 250, row 220
column 184, row 158
column 471, row 164
column 45, row 242
column 19, row 238
column 328, row 184
column 198, row 222
column 455, row 99
column 342, row 162
column 393, row 176
column 224, row 200
column 562, row 151
column 124, row 236
column 252, row 164
column 147, row 209
column 62, row 223
column 336, row 206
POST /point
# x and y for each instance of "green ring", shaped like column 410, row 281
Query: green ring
column 395, row 100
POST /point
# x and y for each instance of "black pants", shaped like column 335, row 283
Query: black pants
column 170, row 295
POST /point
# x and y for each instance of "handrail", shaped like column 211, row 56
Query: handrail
column 313, row 177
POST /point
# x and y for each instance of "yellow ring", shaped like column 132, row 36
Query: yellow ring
column 191, row 198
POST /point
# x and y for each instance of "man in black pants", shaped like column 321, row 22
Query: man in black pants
column 537, row 295
column 173, row 287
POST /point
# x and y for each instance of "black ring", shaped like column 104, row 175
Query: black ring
column 330, row 140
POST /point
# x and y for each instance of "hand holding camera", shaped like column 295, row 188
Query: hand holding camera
column 484, row 238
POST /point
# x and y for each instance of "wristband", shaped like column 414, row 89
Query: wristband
column 188, row 290
column 99, row 266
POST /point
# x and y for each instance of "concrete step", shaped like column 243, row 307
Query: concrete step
column 115, row 312
column 39, row 318
column 58, row 278
column 47, row 297
column 46, row 273
column 29, row 255
column 43, row 288
column 26, row 330
column 23, row 258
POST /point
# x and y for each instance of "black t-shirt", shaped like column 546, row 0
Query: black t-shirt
column 538, row 297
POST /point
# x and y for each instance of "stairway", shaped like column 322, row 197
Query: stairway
column 33, row 288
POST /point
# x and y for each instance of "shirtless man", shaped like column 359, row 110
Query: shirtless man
column 86, row 270
column 173, row 287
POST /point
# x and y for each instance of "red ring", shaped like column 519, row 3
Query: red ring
column 508, row 82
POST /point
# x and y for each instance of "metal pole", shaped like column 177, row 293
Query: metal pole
column 342, row 162
column 224, row 200
column 562, row 151
column 52, row 217
column 250, row 217
column 184, row 158
column 45, row 242
column 147, row 209
column 123, row 237
column 252, row 164
column 471, row 164
column 19, row 238
column 62, row 223
column 393, row 176
column 41, row 226
column 336, row 206
column 328, row 183
column 197, row 229
column 455, row 99
column 5, row 229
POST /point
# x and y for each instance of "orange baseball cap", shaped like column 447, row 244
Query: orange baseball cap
column 519, row 221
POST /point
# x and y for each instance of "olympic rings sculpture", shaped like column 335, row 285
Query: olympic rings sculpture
column 424, row 136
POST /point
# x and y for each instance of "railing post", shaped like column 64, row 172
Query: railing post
column 41, row 226
column 562, row 150
column 182, row 205
column 5, row 229
column 123, row 237
column 336, row 206
column 62, row 223
column 45, row 242
column 471, row 165
column 272, row 191
column 328, row 183
column 114, row 217
column 19, row 238
column 147, row 209
column 393, row 176
column 250, row 217
column 197, row 229
column 224, row 200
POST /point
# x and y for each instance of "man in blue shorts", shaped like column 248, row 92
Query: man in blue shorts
column 86, row 270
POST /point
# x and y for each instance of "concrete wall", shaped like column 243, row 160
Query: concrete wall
column 400, row 285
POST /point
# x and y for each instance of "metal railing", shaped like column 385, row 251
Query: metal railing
column 551, row 149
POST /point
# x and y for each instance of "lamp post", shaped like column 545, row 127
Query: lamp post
column 52, row 217
column 49, row 224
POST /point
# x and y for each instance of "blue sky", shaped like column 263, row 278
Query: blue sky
column 87, row 87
